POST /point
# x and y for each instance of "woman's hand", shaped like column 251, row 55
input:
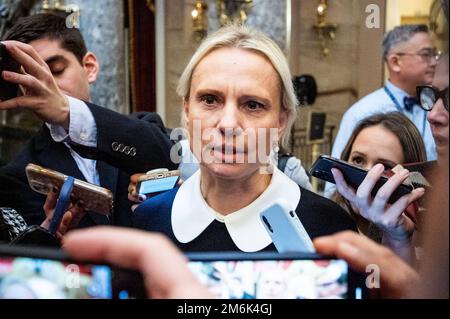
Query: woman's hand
column 71, row 218
column 133, row 195
column 391, row 219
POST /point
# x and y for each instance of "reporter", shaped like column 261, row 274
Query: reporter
column 58, row 73
column 378, row 144
column 163, row 267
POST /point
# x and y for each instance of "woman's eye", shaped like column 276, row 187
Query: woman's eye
column 253, row 105
column 357, row 160
column 209, row 99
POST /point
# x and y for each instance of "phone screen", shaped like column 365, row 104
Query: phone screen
column 35, row 278
column 152, row 186
column 274, row 279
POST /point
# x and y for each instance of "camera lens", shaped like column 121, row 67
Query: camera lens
column 267, row 224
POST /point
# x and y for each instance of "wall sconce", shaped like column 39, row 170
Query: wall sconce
column 200, row 19
column 71, row 11
column 233, row 11
column 325, row 30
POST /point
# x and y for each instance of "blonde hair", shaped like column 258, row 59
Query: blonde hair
column 244, row 37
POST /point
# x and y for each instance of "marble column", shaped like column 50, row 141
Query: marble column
column 102, row 25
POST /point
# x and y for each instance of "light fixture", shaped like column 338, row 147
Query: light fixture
column 233, row 11
column 70, row 11
column 326, row 31
column 200, row 19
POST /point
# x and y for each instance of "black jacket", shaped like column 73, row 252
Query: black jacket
column 319, row 216
column 112, row 128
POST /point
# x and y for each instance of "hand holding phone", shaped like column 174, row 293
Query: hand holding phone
column 286, row 230
column 370, row 193
column 94, row 198
column 157, row 181
column 353, row 176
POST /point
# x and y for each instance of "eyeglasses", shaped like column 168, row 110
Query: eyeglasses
column 426, row 55
column 428, row 95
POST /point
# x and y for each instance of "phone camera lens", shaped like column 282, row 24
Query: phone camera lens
column 292, row 214
column 267, row 224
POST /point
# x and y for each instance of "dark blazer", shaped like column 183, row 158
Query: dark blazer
column 319, row 216
column 135, row 144
column 144, row 132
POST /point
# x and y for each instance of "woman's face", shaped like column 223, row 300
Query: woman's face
column 375, row 145
column 234, row 102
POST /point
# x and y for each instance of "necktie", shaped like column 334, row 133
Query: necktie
column 409, row 103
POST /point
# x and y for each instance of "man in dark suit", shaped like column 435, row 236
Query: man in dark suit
column 58, row 73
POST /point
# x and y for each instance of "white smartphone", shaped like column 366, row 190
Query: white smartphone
column 286, row 230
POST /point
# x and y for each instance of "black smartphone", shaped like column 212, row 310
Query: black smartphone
column 353, row 175
column 271, row 275
column 7, row 90
column 43, row 273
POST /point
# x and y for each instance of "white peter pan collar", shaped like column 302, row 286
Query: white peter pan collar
column 191, row 215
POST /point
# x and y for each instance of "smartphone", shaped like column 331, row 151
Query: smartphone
column 158, row 181
column 7, row 90
column 353, row 175
column 43, row 273
column 286, row 230
column 95, row 198
column 268, row 275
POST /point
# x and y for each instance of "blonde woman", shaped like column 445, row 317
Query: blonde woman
column 236, row 90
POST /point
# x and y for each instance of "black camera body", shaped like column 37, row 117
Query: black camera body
column 7, row 90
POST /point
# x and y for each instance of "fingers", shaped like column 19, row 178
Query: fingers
column 133, row 195
column 342, row 187
column 134, row 179
column 21, row 101
column 384, row 193
column 396, row 209
column 22, row 79
column 166, row 275
column 11, row 46
column 364, row 190
column 72, row 218
column 26, row 56
column 77, row 212
column 357, row 250
column 50, row 203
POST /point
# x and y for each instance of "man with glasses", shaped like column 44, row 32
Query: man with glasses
column 411, row 59
column 434, row 99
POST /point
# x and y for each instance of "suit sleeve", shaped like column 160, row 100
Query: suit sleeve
column 134, row 144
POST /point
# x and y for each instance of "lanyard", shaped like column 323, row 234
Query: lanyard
column 400, row 109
